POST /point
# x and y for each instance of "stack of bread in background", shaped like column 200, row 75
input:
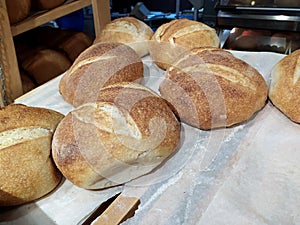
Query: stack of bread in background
column 119, row 128
column 45, row 52
column 19, row 10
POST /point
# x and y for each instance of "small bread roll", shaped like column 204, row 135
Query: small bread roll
column 100, row 65
column 210, row 88
column 125, row 135
column 178, row 36
column 27, row 171
column 127, row 30
column 285, row 85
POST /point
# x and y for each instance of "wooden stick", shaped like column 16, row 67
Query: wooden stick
column 120, row 210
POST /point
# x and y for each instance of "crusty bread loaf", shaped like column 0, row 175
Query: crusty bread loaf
column 125, row 135
column 45, row 64
column 27, row 171
column 210, row 88
column 75, row 44
column 174, row 38
column 70, row 42
column 17, row 10
column 46, row 4
column 285, row 84
column 127, row 30
column 100, row 65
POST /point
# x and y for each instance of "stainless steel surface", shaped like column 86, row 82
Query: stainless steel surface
column 259, row 21
column 262, row 3
column 259, row 14
column 267, row 9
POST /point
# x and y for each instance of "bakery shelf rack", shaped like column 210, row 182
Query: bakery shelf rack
column 10, row 81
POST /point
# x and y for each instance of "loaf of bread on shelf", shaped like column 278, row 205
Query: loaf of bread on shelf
column 285, row 85
column 99, row 65
column 210, row 88
column 27, row 170
column 70, row 42
column 127, row 30
column 46, row 4
column 126, row 134
column 75, row 44
column 174, row 38
column 47, row 36
column 17, row 10
column 45, row 64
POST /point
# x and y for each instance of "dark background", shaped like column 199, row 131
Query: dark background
column 167, row 6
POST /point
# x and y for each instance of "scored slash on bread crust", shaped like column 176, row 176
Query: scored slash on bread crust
column 127, row 30
column 210, row 88
column 127, row 133
column 100, row 65
column 27, row 171
column 18, row 116
column 178, row 36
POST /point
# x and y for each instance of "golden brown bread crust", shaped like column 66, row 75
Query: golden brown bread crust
column 210, row 88
column 18, row 115
column 178, row 36
column 285, row 84
column 127, row 30
column 27, row 171
column 100, row 65
column 17, row 10
column 127, row 134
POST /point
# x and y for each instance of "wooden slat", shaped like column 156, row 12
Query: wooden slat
column 120, row 209
column 11, row 82
column 44, row 17
column 101, row 14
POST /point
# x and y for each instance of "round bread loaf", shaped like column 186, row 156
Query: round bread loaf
column 210, row 88
column 130, row 31
column 125, row 135
column 178, row 36
column 100, row 65
column 75, row 44
column 285, row 85
column 27, row 171
column 17, row 10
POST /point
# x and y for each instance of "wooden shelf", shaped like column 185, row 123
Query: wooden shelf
column 10, row 85
column 41, row 18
